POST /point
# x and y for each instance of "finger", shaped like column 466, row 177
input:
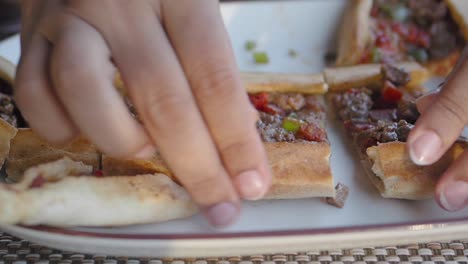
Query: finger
column 424, row 102
column 452, row 188
column 442, row 123
column 166, row 106
column 35, row 97
column 209, row 64
column 83, row 78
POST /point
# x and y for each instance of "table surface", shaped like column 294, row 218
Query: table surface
column 17, row 251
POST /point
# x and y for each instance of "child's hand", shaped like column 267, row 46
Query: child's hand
column 177, row 64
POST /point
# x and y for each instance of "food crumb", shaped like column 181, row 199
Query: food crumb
column 250, row 45
column 292, row 53
column 261, row 57
column 342, row 192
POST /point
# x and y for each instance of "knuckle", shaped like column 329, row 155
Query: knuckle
column 208, row 189
column 164, row 106
column 27, row 89
column 212, row 79
column 453, row 108
column 238, row 147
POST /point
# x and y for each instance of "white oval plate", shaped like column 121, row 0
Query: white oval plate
column 308, row 27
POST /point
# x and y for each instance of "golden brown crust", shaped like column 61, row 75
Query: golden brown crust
column 399, row 177
column 300, row 170
column 270, row 82
column 28, row 150
column 7, row 132
column 284, row 83
column 69, row 196
column 114, row 167
column 443, row 66
column 7, row 70
column 459, row 11
column 354, row 32
column 340, row 79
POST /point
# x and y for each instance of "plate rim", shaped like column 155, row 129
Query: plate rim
column 438, row 224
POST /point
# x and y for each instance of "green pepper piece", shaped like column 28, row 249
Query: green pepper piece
column 292, row 53
column 250, row 45
column 261, row 57
column 291, row 125
column 420, row 55
column 376, row 55
column 400, row 13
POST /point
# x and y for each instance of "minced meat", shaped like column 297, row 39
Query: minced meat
column 271, row 129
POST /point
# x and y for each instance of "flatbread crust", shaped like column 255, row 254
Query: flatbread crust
column 300, row 169
column 391, row 170
column 28, row 150
column 459, row 11
column 68, row 200
column 354, row 32
column 354, row 35
column 284, row 83
column 7, row 70
column 270, row 82
column 114, row 166
column 341, row 79
column 7, row 132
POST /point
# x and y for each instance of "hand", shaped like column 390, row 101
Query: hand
column 444, row 114
column 176, row 61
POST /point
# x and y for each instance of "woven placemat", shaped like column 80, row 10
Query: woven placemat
column 18, row 251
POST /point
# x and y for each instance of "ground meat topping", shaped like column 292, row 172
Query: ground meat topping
column 407, row 110
column 271, row 129
column 373, row 117
column 341, row 194
column 288, row 101
column 427, row 10
column 7, row 110
column 354, row 104
column 289, row 117
column 397, row 76
column 420, row 30
column 403, row 130
column 443, row 40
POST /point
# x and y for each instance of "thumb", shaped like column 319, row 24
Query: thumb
column 442, row 123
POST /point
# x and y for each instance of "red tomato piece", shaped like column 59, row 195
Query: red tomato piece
column 272, row 109
column 37, row 182
column 400, row 29
column 382, row 25
column 424, row 39
column 259, row 100
column 366, row 56
column 375, row 11
column 418, row 37
column 357, row 126
column 382, row 40
column 98, row 173
column 391, row 94
column 312, row 132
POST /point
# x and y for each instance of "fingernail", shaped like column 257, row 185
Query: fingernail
column 424, row 149
column 454, row 196
column 250, row 185
column 146, row 153
column 222, row 214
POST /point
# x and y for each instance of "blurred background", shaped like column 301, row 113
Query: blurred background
column 9, row 18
